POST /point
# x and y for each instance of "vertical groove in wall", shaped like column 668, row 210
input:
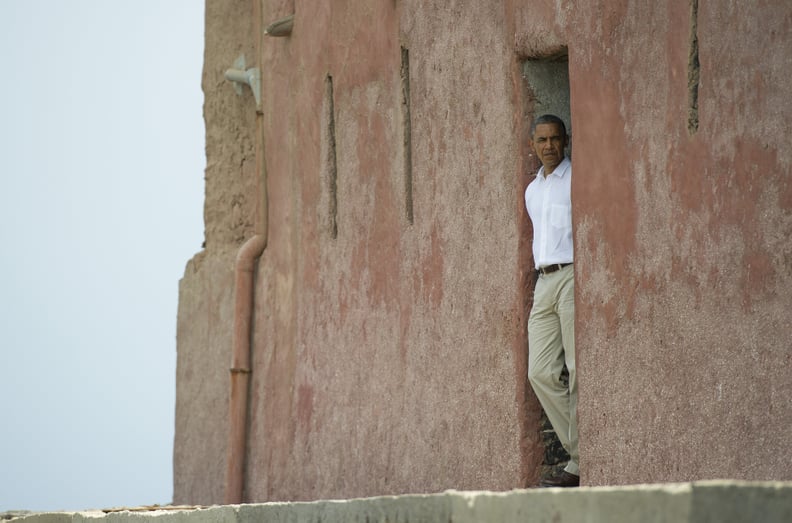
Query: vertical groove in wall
column 331, row 165
column 693, row 70
column 407, row 133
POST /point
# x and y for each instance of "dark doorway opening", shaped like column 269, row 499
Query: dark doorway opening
column 545, row 90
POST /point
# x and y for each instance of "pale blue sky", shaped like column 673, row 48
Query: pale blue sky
column 101, row 207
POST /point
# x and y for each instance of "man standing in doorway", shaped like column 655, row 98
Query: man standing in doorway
column 551, row 324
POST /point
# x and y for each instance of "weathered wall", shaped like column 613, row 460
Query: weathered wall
column 384, row 356
column 389, row 358
column 388, row 353
column 206, row 299
column 683, row 242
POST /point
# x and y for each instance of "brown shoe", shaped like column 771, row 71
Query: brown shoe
column 563, row 479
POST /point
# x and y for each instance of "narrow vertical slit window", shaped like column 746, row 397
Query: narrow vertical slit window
column 329, row 174
column 407, row 134
column 693, row 70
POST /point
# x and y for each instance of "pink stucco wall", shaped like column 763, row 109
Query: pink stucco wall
column 391, row 357
column 683, row 243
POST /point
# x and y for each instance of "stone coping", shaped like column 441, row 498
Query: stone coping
column 715, row 501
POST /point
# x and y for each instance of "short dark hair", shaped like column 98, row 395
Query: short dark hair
column 549, row 118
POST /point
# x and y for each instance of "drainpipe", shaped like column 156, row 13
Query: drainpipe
column 240, row 367
column 244, row 287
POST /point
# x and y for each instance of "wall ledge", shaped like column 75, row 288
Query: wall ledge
column 723, row 501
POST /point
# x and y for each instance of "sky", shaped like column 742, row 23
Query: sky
column 101, row 206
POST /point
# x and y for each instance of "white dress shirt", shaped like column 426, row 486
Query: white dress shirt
column 549, row 204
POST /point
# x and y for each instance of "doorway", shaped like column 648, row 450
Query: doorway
column 545, row 91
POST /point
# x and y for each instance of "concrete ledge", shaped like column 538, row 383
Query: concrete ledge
column 709, row 501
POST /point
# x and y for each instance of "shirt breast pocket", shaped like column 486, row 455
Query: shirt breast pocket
column 560, row 216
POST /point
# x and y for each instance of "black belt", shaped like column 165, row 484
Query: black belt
column 547, row 269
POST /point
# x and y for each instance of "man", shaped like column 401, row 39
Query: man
column 551, row 325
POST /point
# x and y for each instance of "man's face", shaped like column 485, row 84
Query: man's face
column 549, row 142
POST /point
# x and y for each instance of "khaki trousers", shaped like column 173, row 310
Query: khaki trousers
column 551, row 343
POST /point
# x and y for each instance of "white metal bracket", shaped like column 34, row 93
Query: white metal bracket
column 252, row 77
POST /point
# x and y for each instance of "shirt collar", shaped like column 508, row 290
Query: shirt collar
column 560, row 170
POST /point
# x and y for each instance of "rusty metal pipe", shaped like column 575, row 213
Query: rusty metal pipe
column 244, row 288
column 240, row 367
